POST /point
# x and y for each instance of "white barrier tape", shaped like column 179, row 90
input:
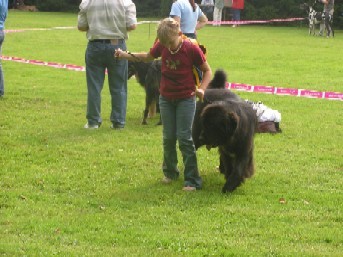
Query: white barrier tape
column 239, row 22
column 35, row 29
column 255, row 21
column 234, row 86
column 156, row 22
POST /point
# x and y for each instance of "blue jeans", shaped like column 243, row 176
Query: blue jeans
column 236, row 14
column 100, row 56
column 177, row 119
column 2, row 85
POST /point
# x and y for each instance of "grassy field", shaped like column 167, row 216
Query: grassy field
column 66, row 191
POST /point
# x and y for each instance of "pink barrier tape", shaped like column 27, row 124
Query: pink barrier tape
column 49, row 64
column 234, row 86
column 285, row 91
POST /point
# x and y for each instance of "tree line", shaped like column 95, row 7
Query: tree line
column 254, row 9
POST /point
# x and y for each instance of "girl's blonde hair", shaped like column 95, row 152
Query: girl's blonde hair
column 167, row 29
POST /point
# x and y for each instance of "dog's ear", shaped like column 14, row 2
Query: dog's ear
column 232, row 122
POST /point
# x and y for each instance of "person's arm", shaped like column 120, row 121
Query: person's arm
column 132, row 27
column 82, row 23
column 201, row 22
column 207, row 75
column 136, row 57
column 177, row 18
column 131, row 19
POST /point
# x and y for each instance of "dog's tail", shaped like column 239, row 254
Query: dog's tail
column 219, row 80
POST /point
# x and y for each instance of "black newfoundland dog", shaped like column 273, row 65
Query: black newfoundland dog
column 226, row 121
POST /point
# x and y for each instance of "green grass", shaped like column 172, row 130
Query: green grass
column 66, row 191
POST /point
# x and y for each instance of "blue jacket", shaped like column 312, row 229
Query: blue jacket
column 3, row 12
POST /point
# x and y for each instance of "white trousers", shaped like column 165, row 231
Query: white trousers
column 217, row 16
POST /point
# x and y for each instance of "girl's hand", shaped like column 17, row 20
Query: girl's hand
column 119, row 53
column 200, row 94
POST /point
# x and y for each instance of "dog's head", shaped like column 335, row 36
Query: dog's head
column 218, row 125
column 219, row 80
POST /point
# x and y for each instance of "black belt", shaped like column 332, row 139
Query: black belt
column 108, row 41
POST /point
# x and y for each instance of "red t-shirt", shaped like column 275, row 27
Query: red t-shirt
column 237, row 4
column 177, row 80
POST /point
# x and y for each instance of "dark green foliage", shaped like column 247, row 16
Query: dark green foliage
column 148, row 8
column 54, row 6
column 165, row 7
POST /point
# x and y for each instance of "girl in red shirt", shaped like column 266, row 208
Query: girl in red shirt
column 177, row 97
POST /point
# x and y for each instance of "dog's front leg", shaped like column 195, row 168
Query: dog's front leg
column 236, row 176
column 146, row 110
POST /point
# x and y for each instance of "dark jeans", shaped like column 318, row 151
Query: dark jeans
column 99, row 57
column 2, row 85
column 236, row 14
column 177, row 119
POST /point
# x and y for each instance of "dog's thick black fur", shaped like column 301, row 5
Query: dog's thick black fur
column 225, row 121
column 148, row 75
column 215, row 91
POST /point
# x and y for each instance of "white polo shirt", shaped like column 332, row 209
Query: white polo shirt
column 107, row 19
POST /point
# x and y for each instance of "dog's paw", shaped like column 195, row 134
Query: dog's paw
column 225, row 190
column 230, row 187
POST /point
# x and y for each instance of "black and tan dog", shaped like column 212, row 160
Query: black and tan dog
column 225, row 121
column 148, row 75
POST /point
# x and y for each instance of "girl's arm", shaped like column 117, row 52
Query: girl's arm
column 206, row 78
column 136, row 57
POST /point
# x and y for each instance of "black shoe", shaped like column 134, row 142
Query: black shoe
column 117, row 126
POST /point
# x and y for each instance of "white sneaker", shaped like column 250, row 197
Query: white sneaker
column 166, row 180
column 189, row 188
column 88, row 126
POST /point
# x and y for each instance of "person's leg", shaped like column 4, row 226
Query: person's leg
column 2, row 84
column 321, row 28
column 184, row 119
column 236, row 14
column 95, row 74
column 117, row 80
column 220, row 14
column 215, row 16
column 168, row 115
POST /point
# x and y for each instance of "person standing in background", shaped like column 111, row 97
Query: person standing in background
column 3, row 16
column 207, row 8
column 107, row 23
column 218, row 11
column 237, row 6
column 328, row 11
column 189, row 15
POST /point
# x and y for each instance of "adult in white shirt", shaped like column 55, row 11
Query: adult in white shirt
column 107, row 23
